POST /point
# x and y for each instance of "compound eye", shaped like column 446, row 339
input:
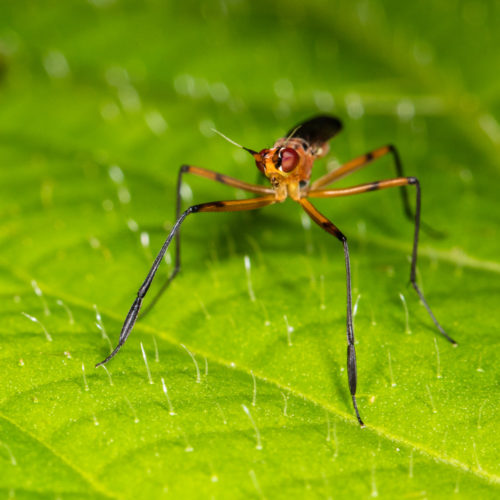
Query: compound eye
column 289, row 159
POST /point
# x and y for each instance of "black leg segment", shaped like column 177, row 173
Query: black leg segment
column 328, row 226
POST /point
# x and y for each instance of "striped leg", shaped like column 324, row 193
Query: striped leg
column 364, row 160
column 216, row 206
column 214, row 176
column 375, row 186
column 328, row 226
column 358, row 163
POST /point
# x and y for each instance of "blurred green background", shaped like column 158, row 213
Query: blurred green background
column 100, row 103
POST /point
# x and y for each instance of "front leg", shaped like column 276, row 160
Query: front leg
column 329, row 227
column 215, row 206
column 385, row 184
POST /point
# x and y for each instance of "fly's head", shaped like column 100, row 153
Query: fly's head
column 281, row 165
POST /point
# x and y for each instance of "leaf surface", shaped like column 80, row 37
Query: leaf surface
column 101, row 102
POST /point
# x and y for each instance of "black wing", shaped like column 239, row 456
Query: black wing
column 317, row 130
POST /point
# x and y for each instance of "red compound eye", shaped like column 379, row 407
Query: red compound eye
column 289, row 159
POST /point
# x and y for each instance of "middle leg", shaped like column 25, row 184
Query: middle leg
column 362, row 161
column 213, row 176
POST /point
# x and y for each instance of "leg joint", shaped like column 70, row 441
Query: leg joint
column 193, row 209
column 395, row 153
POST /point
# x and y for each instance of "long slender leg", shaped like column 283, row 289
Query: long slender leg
column 328, row 226
column 216, row 206
column 208, row 174
column 375, row 186
column 358, row 163
column 364, row 160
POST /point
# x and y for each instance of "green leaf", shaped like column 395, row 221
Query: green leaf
column 101, row 102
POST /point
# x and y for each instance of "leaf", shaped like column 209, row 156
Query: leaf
column 101, row 103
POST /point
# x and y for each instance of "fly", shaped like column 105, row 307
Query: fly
column 288, row 166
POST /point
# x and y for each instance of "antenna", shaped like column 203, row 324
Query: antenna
column 251, row 151
column 291, row 134
column 227, row 138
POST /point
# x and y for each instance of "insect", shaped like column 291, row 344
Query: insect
column 288, row 165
